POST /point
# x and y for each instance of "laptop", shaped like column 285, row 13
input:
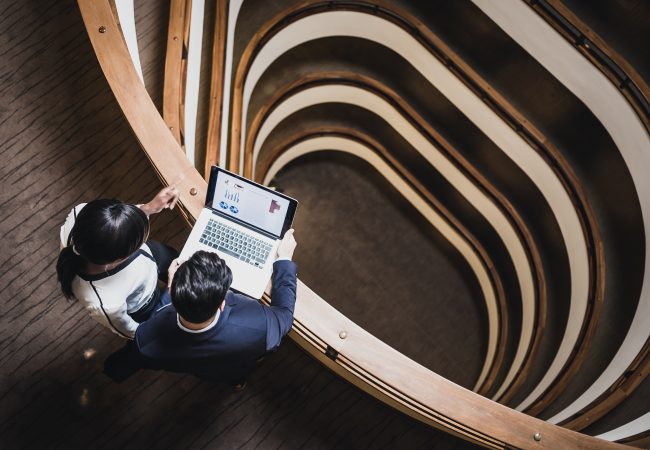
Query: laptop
column 243, row 222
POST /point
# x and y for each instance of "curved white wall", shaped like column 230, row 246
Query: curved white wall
column 372, row 102
column 348, row 23
column 455, row 239
column 624, row 126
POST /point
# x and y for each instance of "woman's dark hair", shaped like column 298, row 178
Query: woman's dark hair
column 199, row 286
column 104, row 231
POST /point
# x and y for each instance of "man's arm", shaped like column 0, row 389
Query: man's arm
column 279, row 316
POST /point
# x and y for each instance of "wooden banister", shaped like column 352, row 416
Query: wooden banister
column 505, row 109
column 356, row 79
column 216, row 86
column 175, row 67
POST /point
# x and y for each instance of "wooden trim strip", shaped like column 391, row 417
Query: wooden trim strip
column 641, row 440
column 493, row 423
column 216, row 86
column 506, row 111
column 615, row 395
column 176, row 67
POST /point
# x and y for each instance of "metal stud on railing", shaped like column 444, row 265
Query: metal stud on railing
column 102, row 29
column 193, row 191
column 343, row 334
column 537, row 436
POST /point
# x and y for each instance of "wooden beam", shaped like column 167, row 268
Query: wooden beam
column 176, row 67
column 216, row 86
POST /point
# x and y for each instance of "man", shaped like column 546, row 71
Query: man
column 214, row 333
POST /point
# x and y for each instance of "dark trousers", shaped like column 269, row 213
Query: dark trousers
column 124, row 362
column 163, row 255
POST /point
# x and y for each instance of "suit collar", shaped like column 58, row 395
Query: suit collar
column 219, row 318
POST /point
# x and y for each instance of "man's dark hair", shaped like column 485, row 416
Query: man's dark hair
column 199, row 286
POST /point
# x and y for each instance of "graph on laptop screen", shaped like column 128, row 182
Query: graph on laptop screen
column 249, row 203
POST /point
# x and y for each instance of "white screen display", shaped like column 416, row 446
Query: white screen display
column 250, row 203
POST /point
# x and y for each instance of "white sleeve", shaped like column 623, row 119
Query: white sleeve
column 66, row 228
column 121, row 323
column 106, row 308
column 112, row 312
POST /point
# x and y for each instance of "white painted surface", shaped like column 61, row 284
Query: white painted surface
column 126, row 16
column 365, row 26
column 372, row 102
column 611, row 108
column 438, row 222
column 630, row 429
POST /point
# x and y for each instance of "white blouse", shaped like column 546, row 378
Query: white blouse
column 111, row 295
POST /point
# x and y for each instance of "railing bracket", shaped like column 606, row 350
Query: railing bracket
column 331, row 353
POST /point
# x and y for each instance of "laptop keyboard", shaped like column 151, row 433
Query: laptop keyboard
column 235, row 243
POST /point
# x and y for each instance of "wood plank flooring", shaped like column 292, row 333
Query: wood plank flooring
column 63, row 140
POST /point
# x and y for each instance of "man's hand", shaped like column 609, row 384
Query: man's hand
column 164, row 199
column 172, row 271
column 287, row 245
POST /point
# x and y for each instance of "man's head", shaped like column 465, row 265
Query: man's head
column 199, row 286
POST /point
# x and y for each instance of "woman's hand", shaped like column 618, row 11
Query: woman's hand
column 164, row 199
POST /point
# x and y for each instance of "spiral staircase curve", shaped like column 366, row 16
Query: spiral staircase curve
column 563, row 278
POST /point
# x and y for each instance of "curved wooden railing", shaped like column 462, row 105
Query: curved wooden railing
column 499, row 105
column 630, row 135
column 268, row 158
column 613, row 65
column 365, row 82
column 216, row 86
column 176, row 67
column 318, row 328
column 637, row 92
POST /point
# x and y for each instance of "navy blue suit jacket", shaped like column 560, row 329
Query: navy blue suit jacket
column 245, row 331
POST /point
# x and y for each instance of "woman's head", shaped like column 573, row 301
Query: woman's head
column 104, row 231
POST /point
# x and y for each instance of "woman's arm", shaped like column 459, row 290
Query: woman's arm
column 164, row 199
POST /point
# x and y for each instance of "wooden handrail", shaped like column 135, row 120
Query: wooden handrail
column 176, row 67
column 216, row 86
column 628, row 132
column 590, row 44
column 360, row 357
column 365, row 82
column 505, row 110
column 621, row 390
column 429, row 198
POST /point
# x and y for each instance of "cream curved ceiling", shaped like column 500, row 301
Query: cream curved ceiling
column 439, row 223
column 630, row 136
column 372, row 102
column 347, row 23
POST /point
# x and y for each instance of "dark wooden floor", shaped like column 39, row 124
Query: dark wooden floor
column 62, row 141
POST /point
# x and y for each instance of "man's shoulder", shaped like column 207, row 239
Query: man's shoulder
column 244, row 312
column 161, row 321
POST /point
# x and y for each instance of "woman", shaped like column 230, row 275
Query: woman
column 107, row 263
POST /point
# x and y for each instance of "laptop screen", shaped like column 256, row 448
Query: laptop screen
column 250, row 202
